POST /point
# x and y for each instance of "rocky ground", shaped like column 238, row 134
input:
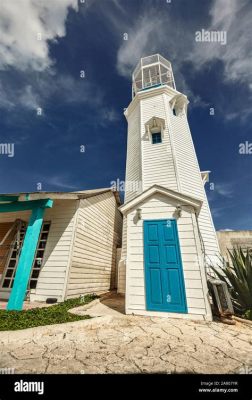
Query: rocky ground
column 116, row 343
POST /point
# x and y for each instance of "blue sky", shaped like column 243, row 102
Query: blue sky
column 44, row 72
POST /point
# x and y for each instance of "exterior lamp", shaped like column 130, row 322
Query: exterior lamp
column 139, row 214
column 179, row 211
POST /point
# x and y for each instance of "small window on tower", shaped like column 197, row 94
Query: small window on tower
column 174, row 111
column 156, row 138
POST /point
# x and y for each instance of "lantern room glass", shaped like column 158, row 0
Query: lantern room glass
column 152, row 71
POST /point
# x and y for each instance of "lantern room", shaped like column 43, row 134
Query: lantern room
column 152, row 71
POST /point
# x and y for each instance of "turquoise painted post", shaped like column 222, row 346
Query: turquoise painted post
column 25, row 262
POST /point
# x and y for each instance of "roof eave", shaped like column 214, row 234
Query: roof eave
column 64, row 195
column 180, row 197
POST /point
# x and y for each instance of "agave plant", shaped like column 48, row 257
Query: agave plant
column 237, row 273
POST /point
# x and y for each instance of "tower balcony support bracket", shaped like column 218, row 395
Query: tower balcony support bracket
column 179, row 103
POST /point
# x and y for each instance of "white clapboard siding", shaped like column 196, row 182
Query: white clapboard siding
column 157, row 161
column 190, row 179
column 193, row 268
column 52, row 278
column 133, row 165
column 97, row 236
column 121, row 272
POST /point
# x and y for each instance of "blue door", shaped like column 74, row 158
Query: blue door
column 164, row 280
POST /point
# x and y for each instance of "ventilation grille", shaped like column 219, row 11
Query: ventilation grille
column 221, row 298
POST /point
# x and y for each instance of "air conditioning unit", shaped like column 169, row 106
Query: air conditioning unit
column 222, row 304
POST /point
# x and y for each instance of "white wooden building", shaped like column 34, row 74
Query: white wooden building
column 168, row 233
column 75, row 250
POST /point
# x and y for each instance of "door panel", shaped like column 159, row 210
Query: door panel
column 154, row 254
column 153, row 232
column 156, row 286
column 174, row 286
column 164, row 281
column 171, row 254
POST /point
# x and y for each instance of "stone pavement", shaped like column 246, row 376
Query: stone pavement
column 115, row 343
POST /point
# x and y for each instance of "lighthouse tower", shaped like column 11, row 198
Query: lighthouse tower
column 168, row 234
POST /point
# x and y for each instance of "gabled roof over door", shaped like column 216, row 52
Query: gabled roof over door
column 181, row 198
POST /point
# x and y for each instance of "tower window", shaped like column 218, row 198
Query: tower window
column 174, row 112
column 156, row 138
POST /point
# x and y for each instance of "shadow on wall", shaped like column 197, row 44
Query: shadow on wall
column 115, row 302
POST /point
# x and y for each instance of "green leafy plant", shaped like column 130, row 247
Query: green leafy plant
column 55, row 314
column 237, row 273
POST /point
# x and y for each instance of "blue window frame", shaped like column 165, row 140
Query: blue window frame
column 156, row 138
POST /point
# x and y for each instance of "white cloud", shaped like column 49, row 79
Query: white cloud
column 5, row 98
column 243, row 113
column 11, row 96
column 223, row 11
column 138, row 44
column 118, row 4
column 59, row 182
column 153, row 32
column 217, row 211
column 28, row 98
column 21, row 21
column 28, row 78
column 175, row 39
column 109, row 115
column 224, row 189
column 32, row 93
column 234, row 17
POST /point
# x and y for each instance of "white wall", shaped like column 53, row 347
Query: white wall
column 97, row 235
column 158, row 207
column 51, row 281
column 53, row 276
column 121, row 276
column 158, row 166
column 173, row 163
column 133, row 163
column 190, row 180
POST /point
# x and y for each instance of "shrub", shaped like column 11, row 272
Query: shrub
column 237, row 273
column 55, row 314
